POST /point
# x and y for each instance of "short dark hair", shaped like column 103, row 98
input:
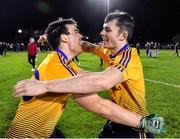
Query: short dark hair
column 56, row 28
column 125, row 22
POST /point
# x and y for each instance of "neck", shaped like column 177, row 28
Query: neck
column 65, row 49
column 118, row 46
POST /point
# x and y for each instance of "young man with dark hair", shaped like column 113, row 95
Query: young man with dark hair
column 123, row 78
column 37, row 116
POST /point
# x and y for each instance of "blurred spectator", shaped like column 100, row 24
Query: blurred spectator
column 17, row 47
column 176, row 47
column 1, row 49
column 138, row 46
column 32, row 52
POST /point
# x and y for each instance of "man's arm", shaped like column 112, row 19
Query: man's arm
column 82, row 84
column 88, row 47
column 115, row 113
column 107, row 109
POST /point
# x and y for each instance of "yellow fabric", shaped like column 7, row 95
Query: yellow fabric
column 37, row 117
column 129, row 94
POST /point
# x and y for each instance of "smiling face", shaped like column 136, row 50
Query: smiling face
column 117, row 30
column 111, row 34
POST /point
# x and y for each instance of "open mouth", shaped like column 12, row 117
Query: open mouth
column 104, row 40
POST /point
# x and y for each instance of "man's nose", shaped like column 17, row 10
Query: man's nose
column 102, row 33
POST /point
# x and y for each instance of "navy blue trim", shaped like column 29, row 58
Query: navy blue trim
column 36, row 75
column 128, row 59
column 123, row 48
column 64, row 64
column 69, row 67
column 61, row 52
column 27, row 98
column 125, row 58
column 63, row 61
column 122, row 57
column 122, row 70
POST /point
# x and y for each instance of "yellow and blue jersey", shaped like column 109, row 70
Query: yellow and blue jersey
column 129, row 94
column 37, row 116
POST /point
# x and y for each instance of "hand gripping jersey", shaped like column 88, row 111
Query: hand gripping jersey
column 129, row 94
column 37, row 116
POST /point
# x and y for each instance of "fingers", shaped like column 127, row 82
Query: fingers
column 42, row 39
column 20, row 88
column 19, row 94
column 29, row 88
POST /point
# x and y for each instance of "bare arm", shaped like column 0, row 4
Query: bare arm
column 88, row 47
column 82, row 84
column 87, row 83
column 107, row 109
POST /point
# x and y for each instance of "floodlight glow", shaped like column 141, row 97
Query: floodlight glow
column 19, row 30
column 107, row 6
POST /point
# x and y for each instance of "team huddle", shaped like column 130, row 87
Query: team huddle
column 58, row 78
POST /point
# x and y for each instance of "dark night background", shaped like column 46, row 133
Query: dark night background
column 156, row 20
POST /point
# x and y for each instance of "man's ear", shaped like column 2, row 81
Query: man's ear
column 64, row 38
column 123, row 35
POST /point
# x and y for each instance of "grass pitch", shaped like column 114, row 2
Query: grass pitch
column 75, row 121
